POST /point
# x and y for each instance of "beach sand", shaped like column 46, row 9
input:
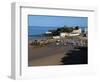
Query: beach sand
column 47, row 55
column 48, row 60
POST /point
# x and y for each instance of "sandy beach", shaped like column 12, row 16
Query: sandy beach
column 47, row 55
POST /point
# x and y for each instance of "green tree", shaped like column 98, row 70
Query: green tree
column 77, row 27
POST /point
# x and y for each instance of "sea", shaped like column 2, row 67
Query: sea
column 37, row 32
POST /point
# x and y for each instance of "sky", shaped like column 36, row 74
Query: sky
column 57, row 21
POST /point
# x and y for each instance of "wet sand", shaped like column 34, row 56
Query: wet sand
column 48, row 60
column 47, row 55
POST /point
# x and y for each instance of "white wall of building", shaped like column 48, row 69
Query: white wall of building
column 63, row 34
column 77, row 31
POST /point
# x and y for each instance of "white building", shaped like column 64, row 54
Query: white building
column 77, row 31
column 74, row 33
column 56, row 37
column 63, row 34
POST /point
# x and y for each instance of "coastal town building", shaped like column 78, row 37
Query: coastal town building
column 75, row 32
column 63, row 34
column 56, row 37
column 78, row 31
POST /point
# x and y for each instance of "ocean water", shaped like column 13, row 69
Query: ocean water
column 37, row 30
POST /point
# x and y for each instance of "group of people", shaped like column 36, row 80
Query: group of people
column 61, row 42
column 73, row 42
